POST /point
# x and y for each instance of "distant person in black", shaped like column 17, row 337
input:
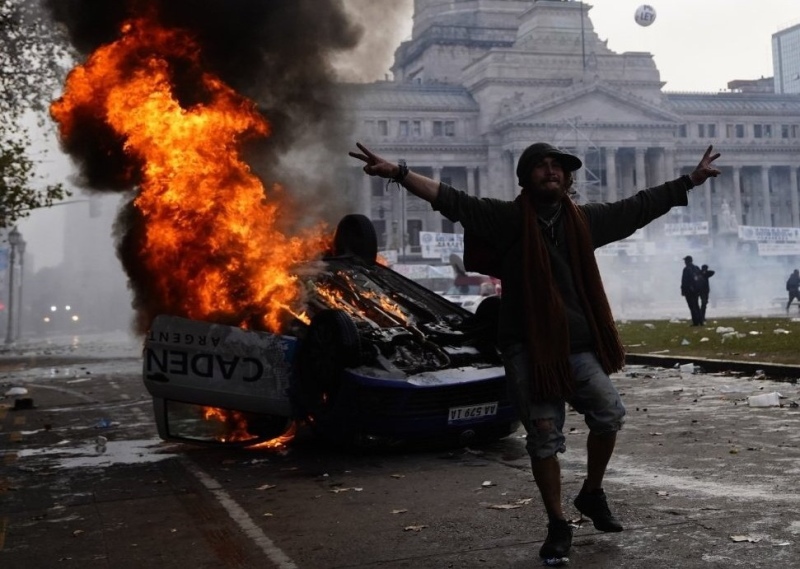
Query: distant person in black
column 690, row 289
column 793, row 287
column 705, row 274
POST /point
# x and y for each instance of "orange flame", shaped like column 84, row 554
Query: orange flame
column 212, row 242
column 236, row 430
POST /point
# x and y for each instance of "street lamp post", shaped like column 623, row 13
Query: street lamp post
column 14, row 239
column 20, row 313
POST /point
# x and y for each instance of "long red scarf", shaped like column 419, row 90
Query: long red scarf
column 548, row 330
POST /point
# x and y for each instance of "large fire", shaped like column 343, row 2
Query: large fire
column 212, row 244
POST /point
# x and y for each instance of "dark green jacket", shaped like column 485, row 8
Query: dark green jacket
column 499, row 224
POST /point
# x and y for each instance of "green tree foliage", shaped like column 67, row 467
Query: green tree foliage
column 34, row 56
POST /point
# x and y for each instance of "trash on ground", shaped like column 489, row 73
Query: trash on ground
column 414, row 528
column 555, row 561
column 16, row 392
column 687, row 368
column 748, row 538
column 765, row 400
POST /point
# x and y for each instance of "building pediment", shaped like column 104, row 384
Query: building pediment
column 596, row 103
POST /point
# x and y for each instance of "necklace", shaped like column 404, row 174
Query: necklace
column 549, row 224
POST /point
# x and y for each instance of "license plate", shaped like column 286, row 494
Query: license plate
column 470, row 412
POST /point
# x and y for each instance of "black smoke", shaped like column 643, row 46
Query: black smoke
column 275, row 52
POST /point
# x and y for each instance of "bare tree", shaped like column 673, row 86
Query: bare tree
column 34, row 56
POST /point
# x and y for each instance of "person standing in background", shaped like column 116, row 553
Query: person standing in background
column 690, row 289
column 705, row 289
column 793, row 288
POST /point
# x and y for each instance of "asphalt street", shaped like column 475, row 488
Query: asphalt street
column 700, row 479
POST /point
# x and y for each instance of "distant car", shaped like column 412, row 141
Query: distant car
column 382, row 361
column 58, row 318
column 470, row 289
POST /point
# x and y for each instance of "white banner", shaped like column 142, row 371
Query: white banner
column 769, row 234
column 770, row 249
column 691, row 228
column 440, row 245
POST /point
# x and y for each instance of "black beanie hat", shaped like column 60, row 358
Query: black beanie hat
column 537, row 152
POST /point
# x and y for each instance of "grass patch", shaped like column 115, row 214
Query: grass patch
column 770, row 340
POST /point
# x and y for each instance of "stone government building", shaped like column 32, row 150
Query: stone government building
column 479, row 80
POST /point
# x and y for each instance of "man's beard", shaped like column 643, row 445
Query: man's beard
column 547, row 192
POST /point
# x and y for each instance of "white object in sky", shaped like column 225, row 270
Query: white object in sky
column 645, row 15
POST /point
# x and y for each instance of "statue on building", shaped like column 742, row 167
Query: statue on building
column 727, row 219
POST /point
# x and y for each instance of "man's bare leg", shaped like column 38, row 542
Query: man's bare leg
column 599, row 448
column 547, row 474
column 591, row 501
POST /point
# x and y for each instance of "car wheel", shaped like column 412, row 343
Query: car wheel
column 331, row 344
column 355, row 235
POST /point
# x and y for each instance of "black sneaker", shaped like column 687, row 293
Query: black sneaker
column 558, row 541
column 595, row 506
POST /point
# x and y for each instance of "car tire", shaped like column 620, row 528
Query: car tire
column 330, row 345
column 355, row 235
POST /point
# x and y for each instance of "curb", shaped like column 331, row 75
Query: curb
column 775, row 372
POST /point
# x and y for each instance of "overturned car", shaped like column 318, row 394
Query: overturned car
column 380, row 360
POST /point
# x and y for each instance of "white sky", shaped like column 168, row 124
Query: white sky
column 699, row 45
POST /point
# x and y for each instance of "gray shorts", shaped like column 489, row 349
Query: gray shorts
column 595, row 398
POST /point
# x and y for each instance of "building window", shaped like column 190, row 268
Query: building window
column 682, row 131
column 734, row 131
column 403, row 130
column 383, row 128
column 416, row 128
column 762, row 130
column 437, row 128
column 449, row 128
column 708, row 130
column 789, row 130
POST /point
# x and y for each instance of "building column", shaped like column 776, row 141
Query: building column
column 641, row 180
column 767, row 209
column 737, row 193
column 580, row 175
column 511, row 175
column 366, row 191
column 793, row 193
column 611, row 174
column 471, row 179
column 433, row 218
column 670, row 173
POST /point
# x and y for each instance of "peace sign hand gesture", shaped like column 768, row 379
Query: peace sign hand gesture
column 375, row 165
column 705, row 169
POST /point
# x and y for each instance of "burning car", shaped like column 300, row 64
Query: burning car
column 378, row 359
